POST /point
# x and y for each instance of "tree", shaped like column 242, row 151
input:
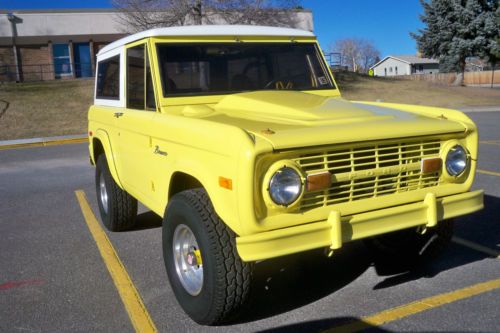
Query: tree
column 492, row 51
column 141, row 15
column 455, row 30
column 356, row 54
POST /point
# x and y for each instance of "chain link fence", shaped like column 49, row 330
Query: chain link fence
column 44, row 72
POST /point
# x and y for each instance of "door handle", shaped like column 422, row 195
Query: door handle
column 118, row 114
column 160, row 152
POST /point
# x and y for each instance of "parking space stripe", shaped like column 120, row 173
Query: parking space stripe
column 490, row 173
column 139, row 316
column 477, row 247
column 416, row 307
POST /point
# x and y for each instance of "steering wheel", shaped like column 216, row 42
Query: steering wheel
column 286, row 82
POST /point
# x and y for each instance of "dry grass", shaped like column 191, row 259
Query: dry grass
column 53, row 108
column 29, row 110
column 365, row 88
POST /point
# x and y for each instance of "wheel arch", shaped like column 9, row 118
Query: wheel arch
column 221, row 201
column 102, row 145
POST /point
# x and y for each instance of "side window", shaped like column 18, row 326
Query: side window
column 108, row 78
column 140, row 93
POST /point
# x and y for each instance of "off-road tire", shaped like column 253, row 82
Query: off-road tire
column 122, row 207
column 411, row 246
column 226, row 278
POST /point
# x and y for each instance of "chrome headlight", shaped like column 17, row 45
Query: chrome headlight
column 285, row 186
column 456, row 160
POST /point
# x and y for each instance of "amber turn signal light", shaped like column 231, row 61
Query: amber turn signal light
column 431, row 165
column 225, row 183
column 319, row 181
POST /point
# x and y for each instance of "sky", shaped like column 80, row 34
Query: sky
column 386, row 23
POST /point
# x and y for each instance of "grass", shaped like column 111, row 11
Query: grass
column 29, row 110
column 365, row 88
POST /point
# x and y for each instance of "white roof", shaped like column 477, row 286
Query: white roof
column 209, row 30
column 409, row 59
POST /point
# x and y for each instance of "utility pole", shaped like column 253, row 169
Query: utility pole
column 13, row 20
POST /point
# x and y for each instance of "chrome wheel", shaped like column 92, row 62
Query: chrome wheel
column 187, row 258
column 103, row 193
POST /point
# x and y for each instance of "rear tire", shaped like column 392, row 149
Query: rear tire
column 118, row 208
column 410, row 246
column 191, row 226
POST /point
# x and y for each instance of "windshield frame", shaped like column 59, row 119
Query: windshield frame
column 326, row 91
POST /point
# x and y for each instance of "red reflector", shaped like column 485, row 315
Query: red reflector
column 90, row 133
column 431, row 165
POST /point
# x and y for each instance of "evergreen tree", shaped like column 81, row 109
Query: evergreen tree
column 457, row 29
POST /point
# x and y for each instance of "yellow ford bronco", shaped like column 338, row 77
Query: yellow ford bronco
column 239, row 138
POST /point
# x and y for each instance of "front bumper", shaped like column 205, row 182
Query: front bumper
column 339, row 229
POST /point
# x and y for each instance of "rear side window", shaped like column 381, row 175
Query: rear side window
column 108, row 78
column 140, row 92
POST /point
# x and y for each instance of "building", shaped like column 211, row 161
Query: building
column 405, row 65
column 55, row 44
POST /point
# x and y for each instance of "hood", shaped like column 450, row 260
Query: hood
column 290, row 119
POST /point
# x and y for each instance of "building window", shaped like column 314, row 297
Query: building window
column 62, row 63
column 396, row 70
column 421, row 68
column 390, row 69
column 385, row 71
column 108, row 78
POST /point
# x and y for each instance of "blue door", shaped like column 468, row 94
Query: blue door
column 83, row 66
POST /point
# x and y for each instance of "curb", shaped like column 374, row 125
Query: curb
column 480, row 109
column 42, row 142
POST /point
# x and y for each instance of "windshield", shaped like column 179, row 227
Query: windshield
column 201, row 69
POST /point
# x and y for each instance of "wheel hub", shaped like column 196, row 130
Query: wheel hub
column 103, row 193
column 187, row 259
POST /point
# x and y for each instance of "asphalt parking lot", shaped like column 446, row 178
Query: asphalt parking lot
column 53, row 277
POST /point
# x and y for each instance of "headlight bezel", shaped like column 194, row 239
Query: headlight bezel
column 266, row 184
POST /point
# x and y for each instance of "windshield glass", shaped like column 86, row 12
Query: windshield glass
column 201, row 69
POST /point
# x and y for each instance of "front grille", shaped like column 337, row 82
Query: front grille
column 369, row 171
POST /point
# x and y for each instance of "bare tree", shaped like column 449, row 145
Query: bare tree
column 356, row 54
column 140, row 15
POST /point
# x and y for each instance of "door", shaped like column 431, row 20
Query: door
column 135, row 145
column 83, row 66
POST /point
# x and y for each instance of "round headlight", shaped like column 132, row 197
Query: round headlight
column 285, row 186
column 456, row 160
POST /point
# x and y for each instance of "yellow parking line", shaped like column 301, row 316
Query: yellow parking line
column 416, row 307
column 136, row 310
column 477, row 247
column 491, row 173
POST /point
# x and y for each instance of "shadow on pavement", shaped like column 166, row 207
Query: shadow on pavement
column 326, row 324
column 147, row 220
column 481, row 227
column 287, row 283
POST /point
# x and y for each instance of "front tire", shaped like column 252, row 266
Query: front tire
column 118, row 209
column 209, row 279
